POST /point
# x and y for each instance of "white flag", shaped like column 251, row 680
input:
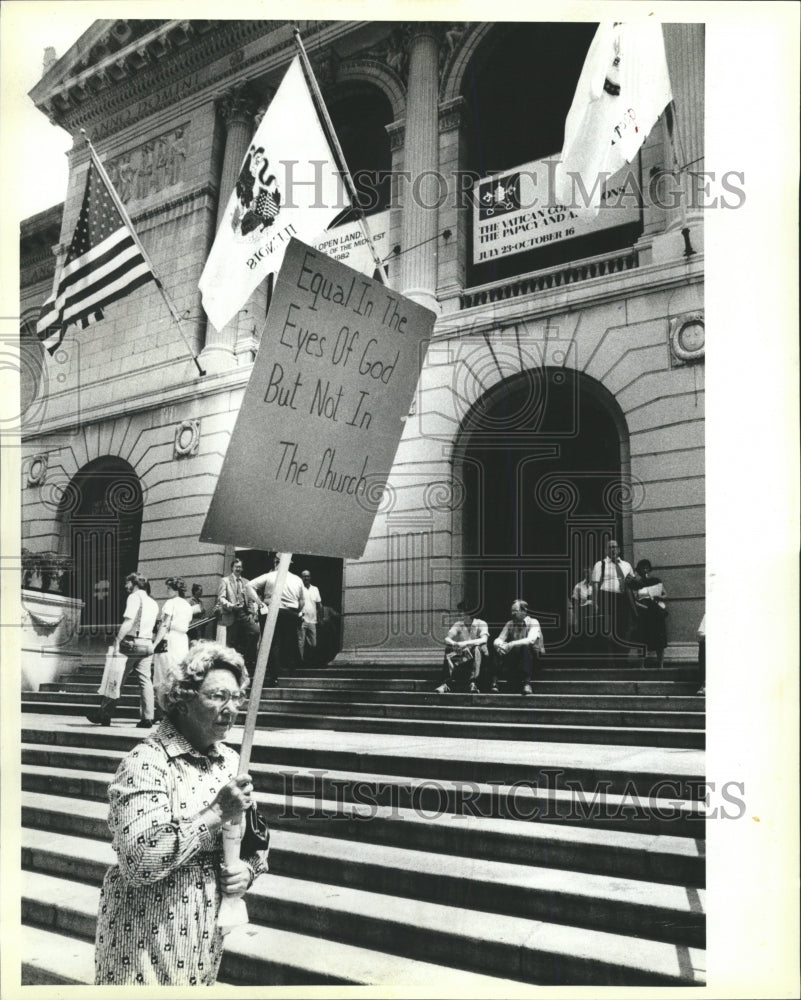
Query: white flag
column 288, row 186
column 623, row 88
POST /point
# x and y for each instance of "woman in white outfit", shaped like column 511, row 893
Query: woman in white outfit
column 176, row 617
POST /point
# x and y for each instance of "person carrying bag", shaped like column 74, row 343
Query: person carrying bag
column 139, row 620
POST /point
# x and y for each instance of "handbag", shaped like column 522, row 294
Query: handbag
column 113, row 671
column 256, row 835
column 133, row 645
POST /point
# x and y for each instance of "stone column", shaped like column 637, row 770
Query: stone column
column 418, row 277
column 453, row 216
column 684, row 48
column 237, row 110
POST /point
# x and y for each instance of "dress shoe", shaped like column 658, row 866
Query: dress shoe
column 494, row 689
column 97, row 719
column 527, row 689
column 145, row 724
column 443, row 689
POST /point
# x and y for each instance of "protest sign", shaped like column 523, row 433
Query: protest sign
column 323, row 411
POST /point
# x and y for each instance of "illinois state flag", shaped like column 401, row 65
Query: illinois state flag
column 623, row 88
column 288, row 186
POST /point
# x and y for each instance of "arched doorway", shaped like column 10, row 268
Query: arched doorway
column 101, row 523
column 544, row 460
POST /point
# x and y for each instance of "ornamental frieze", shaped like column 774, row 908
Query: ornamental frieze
column 157, row 164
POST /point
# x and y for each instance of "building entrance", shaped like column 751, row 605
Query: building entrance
column 101, row 524
column 544, row 462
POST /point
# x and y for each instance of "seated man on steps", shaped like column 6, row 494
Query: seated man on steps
column 519, row 643
column 467, row 646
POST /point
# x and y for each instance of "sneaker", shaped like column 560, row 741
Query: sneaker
column 145, row 724
column 97, row 719
column 527, row 689
column 443, row 689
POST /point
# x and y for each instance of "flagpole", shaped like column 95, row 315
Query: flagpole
column 125, row 218
column 233, row 912
column 331, row 135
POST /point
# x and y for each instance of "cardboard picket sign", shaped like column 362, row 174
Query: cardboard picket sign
column 322, row 415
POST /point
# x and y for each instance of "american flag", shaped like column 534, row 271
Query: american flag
column 103, row 264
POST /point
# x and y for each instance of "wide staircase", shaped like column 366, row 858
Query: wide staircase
column 473, row 841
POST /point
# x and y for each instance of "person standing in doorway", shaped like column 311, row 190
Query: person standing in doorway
column 139, row 620
column 238, row 605
column 613, row 597
column 284, row 654
column 312, row 616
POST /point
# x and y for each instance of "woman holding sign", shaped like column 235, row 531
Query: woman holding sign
column 157, row 922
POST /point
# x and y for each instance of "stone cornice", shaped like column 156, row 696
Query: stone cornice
column 147, row 75
column 157, row 73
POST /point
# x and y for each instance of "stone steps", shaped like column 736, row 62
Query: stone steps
column 535, row 728
column 567, row 700
column 483, row 822
column 489, row 942
column 523, row 711
column 478, row 841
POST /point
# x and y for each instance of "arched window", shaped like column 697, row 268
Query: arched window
column 360, row 116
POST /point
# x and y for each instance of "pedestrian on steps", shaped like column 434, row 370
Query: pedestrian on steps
column 157, row 919
column 139, row 620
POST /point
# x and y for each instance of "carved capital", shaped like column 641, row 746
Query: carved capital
column 238, row 105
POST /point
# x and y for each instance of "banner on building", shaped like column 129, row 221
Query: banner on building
column 323, row 412
column 348, row 245
column 516, row 211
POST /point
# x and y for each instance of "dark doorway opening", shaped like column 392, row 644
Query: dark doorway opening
column 326, row 575
column 101, row 525
column 542, row 463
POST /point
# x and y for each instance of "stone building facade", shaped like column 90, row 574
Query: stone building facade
column 561, row 400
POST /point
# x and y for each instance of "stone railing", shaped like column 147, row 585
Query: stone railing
column 553, row 277
column 50, row 627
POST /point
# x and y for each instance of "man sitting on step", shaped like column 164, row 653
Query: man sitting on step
column 519, row 643
column 467, row 646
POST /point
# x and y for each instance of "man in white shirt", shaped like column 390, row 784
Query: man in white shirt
column 467, row 647
column 518, row 645
column 613, row 597
column 139, row 621
column 284, row 654
column 312, row 615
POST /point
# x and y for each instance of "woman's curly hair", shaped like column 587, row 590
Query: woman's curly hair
column 176, row 583
column 182, row 681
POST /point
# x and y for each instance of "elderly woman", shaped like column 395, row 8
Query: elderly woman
column 171, row 795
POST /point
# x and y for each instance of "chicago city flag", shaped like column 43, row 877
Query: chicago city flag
column 288, row 186
column 103, row 264
column 623, row 88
